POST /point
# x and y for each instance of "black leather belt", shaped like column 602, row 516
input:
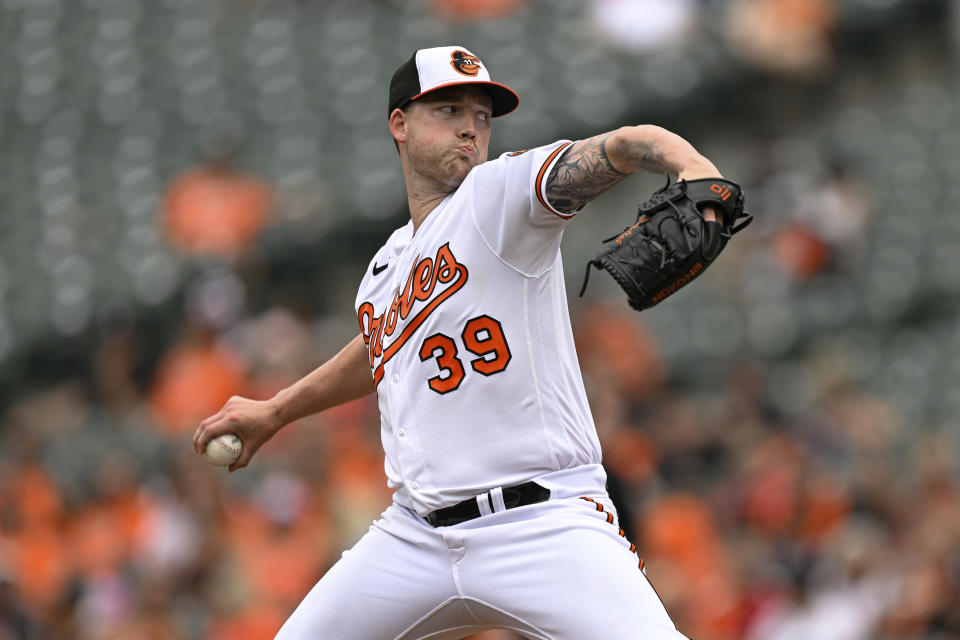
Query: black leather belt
column 516, row 496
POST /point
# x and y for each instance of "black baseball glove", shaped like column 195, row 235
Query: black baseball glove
column 671, row 243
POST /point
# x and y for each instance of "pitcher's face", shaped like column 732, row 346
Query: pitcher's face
column 447, row 133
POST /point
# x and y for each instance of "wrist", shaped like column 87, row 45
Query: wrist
column 697, row 167
column 278, row 412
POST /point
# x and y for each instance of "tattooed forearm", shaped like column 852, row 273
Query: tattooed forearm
column 642, row 154
column 582, row 173
column 590, row 167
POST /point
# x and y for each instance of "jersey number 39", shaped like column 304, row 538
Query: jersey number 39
column 483, row 337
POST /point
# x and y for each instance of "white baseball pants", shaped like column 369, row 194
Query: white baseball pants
column 556, row 570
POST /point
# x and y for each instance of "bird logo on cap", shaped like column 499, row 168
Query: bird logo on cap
column 465, row 63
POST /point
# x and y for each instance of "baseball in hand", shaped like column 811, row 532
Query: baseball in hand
column 223, row 450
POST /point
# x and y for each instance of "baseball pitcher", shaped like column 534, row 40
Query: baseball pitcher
column 500, row 516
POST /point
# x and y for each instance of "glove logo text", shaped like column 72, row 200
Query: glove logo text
column 629, row 230
column 679, row 282
column 721, row 191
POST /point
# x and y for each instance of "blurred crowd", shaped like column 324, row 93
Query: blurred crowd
column 753, row 523
column 764, row 525
column 773, row 493
column 788, row 37
column 834, row 520
column 112, row 527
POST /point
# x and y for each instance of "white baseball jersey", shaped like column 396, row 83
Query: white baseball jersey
column 470, row 342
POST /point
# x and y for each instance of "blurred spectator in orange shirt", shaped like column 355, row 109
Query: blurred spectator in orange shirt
column 790, row 37
column 800, row 251
column 194, row 379
column 683, row 544
column 475, row 9
column 621, row 353
column 202, row 371
column 216, row 209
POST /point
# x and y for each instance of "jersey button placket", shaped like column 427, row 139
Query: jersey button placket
column 409, row 456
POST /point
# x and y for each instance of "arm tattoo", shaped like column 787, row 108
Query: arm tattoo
column 581, row 174
column 643, row 155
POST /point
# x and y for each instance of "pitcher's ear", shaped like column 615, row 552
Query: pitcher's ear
column 398, row 125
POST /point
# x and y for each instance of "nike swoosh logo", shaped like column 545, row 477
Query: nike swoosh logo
column 378, row 269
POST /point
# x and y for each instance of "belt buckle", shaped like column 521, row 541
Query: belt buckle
column 474, row 503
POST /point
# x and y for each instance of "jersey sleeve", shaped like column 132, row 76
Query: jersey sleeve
column 511, row 209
